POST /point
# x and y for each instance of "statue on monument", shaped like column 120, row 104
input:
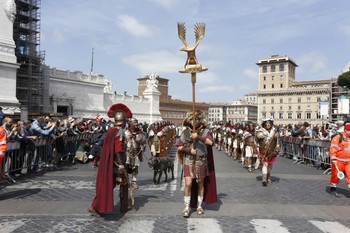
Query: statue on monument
column 10, row 10
column 152, row 82
column 7, row 18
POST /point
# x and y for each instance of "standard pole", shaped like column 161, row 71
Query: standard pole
column 193, row 79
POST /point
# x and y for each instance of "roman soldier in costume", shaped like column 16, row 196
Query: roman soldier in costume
column 136, row 142
column 250, row 150
column 111, row 170
column 268, row 142
column 196, row 155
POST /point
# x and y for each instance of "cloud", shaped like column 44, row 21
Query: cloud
column 171, row 4
column 250, row 74
column 313, row 63
column 207, row 78
column 158, row 61
column 133, row 26
column 215, row 89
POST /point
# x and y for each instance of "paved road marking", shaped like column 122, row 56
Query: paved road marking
column 142, row 226
column 200, row 225
column 10, row 226
column 66, row 225
column 268, row 226
column 53, row 184
column 330, row 227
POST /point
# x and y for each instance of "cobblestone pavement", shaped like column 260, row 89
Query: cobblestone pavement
column 297, row 200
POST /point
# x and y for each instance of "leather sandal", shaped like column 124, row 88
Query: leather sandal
column 200, row 211
column 93, row 212
column 186, row 213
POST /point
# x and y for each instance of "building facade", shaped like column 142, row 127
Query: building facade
column 237, row 111
column 284, row 99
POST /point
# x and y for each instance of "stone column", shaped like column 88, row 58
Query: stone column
column 152, row 93
column 8, row 60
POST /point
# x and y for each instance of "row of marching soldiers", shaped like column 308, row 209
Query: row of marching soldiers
column 251, row 144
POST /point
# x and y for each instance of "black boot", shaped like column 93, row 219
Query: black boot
column 264, row 180
column 334, row 192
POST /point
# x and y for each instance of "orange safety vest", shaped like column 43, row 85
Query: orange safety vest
column 3, row 144
column 340, row 148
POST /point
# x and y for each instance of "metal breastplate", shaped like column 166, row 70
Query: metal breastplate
column 201, row 147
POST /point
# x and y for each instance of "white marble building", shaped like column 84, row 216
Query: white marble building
column 86, row 96
column 8, row 61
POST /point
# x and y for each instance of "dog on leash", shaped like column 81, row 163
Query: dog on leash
column 161, row 165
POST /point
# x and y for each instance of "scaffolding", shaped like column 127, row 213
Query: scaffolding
column 26, row 33
column 336, row 92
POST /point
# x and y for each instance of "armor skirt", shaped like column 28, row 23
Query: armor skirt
column 196, row 167
column 270, row 159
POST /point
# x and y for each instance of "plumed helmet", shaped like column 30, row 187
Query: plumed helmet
column 259, row 135
column 199, row 120
column 120, row 112
column 268, row 119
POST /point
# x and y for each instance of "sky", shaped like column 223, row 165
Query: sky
column 135, row 38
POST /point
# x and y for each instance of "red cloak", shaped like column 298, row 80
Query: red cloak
column 210, row 193
column 105, row 182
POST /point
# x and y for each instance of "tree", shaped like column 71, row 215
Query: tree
column 344, row 80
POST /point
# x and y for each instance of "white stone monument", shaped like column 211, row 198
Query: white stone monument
column 152, row 93
column 8, row 61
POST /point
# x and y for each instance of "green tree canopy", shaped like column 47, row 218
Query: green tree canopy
column 344, row 80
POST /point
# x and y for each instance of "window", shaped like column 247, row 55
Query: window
column 264, row 69
column 289, row 100
column 273, row 68
column 264, row 78
column 299, row 115
column 264, row 86
column 281, row 101
column 299, row 100
column 281, row 115
column 272, row 108
column 272, row 101
column 299, row 107
column 272, row 77
column 281, row 67
column 273, row 86
column 272, row 114
column 289, row 115
column 308, row 99
column 281, row 108
column 308, row 115
column 289, row 107
column 281, row 85
column 263, row 115
column 264, row 101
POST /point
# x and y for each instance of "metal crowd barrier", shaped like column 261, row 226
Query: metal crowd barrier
column 312, row 151
column 28, row 155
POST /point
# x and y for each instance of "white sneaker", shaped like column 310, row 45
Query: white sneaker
column 91, row 157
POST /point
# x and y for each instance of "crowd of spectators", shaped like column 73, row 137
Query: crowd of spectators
column 317, row 132
column 56, row 131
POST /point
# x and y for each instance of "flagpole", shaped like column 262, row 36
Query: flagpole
column 92, row 61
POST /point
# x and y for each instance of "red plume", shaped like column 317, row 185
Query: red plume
column 119, row 107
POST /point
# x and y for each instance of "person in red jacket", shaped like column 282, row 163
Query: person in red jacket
column 340, row 159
